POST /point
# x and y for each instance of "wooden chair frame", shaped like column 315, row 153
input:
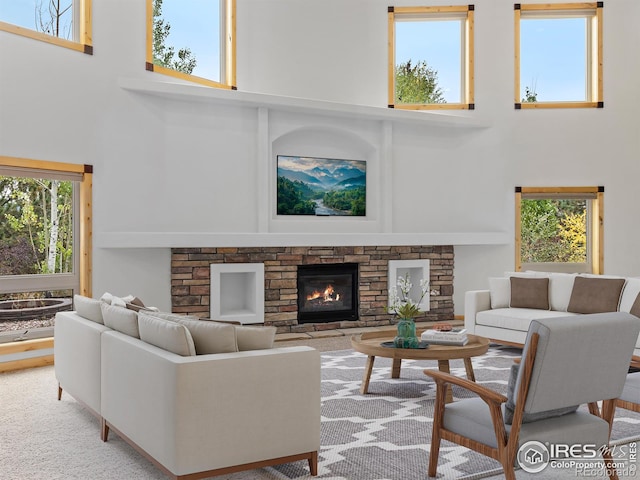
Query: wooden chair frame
column 507, row 444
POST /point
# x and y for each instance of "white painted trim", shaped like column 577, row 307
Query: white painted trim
column 202, row 94
column 208, row 239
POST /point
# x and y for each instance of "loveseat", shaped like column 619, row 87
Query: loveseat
column 193, row 414
column 503, row 312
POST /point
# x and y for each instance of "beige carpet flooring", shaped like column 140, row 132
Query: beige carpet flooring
column 37, row 445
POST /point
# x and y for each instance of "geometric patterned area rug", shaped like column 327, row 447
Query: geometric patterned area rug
column 382, row 435
column 386, row 433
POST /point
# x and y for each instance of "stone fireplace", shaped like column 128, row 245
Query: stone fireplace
column 191, row 282
column 327, row 293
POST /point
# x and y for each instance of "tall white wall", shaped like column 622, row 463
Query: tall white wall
column 175, row 165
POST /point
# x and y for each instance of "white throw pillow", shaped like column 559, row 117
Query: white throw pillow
column 500, row 292
column 560, row 288
column 255, row 338
column 629, row 294
column 170, row 336
column 121, row 319
column 88, row 308
column 210, row 337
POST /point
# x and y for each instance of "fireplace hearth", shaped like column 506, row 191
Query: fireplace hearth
column 327, row 293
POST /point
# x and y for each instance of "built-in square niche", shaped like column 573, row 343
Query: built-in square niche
column 417, row 270
column 237, row 292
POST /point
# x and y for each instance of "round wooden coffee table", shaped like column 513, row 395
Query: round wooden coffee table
column 370, row 345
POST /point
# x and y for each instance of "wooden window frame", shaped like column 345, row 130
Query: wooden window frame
column 594, row 53
column 467, row 53
column 229, row 47
column 85, row 210
column 595, row 249
column 85, row 33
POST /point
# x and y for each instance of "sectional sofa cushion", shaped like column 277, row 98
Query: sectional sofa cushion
column 88, row 308
column 629, row 294
column 170, row 336
column 169, row 316
column 560, row 288
column 499, row 291
column 529, row 293
column 255, row 338
column 635, row 308
column 595, row 295
column 121, row 319
column 510, row 405
column 211, row 337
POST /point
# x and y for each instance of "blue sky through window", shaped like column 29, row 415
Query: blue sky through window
column 552, row 51
column 195, row 24
column 439, row 44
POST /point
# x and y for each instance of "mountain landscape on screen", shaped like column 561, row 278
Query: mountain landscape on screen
column 321, row 186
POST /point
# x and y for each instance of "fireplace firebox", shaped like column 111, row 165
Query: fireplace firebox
column 327, row 293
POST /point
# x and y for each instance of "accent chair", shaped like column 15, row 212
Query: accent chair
column 566, row 362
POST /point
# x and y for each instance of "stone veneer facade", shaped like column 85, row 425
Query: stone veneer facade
column 190, row 280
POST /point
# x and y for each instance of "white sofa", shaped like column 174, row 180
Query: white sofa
column 495, row 313
column 193, row 415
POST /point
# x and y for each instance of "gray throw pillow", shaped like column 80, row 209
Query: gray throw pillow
column 510, row 405
column 595, row 295
column 635, row 308
column 529, row 293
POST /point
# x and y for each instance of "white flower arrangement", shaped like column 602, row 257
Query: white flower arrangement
column 400, row 303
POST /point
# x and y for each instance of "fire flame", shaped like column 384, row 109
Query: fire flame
column 327, row 295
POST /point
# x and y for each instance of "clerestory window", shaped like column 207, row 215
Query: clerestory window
column 560, row 229
column 66, row 23
column 570, row 77
column 193, row 40
column 431, row 57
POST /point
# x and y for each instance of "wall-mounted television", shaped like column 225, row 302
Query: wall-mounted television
column 321, row 186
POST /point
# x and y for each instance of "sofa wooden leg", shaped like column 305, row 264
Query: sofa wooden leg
column 313, row 463
column 59, row 392
column 104, row 430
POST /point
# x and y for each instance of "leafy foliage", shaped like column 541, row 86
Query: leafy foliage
column 293, row 198
column 530, row 95
column 553, row 231
column 400, row 301
column 353, row 200
column 417, row 84
column 164, row 55
column 36, row 231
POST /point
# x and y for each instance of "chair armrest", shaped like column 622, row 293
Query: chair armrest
column 488, row 395
column 475, row 301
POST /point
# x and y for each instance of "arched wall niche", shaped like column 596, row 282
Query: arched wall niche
column 326, row 141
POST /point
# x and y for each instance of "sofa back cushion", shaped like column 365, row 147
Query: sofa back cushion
column 629, row 294
column 121, row 319
column 88, row 308
column 211, row 337
column 170, row 336
column 529, row 293
column 560, row 288
column 595, row 295
column 255, row 338
column 635, row 308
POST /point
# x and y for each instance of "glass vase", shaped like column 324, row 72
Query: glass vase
column 406, row 337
